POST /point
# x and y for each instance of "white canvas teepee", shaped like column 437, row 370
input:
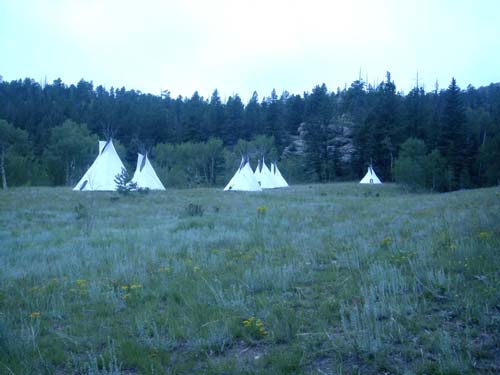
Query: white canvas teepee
column 278, row 178
column 370, row 177
column 145, row 176
column 264, row 176
column 243, row 179
column 101, row 174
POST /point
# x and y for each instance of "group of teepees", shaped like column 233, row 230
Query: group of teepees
column 103, row 171
column 245, row 179
column 264, row 178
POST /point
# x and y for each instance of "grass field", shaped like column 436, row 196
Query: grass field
column 320, row 279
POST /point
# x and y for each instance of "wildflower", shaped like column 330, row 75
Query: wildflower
column 261, row 210
column 164, row 269
column 35, row 314
column 386, row 242
column 135, row 286
column 125, row 287
column 196, row 268
column 255, row 327
column 81, row 283
column 248, row 322
column 484, row 235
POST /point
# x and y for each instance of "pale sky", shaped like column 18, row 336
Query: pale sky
column 242, row 46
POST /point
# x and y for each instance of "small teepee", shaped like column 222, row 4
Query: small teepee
column 244, row 179
column 278, row 178
column 370, row 177
column 101, row 174
column 145, row 176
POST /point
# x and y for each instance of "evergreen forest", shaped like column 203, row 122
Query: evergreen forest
column 441, row 140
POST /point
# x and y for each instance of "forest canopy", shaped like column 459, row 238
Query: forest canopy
column 444, row 139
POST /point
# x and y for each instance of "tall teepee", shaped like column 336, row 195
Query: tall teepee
column 370, row 177
column 243, row 179
column 101, row 174
column 145, row 176
column 264, row 176
column 278, row 178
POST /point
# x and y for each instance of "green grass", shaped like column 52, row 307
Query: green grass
column 319, row 279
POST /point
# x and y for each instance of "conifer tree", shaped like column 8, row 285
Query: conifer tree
column 452, row 140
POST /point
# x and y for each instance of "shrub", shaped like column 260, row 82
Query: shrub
column 194, row 209
column 417, row 169
column 123, row 183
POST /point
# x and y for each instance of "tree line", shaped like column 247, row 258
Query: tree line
column 444, row 139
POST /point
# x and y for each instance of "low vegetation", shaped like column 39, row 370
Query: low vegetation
column 319, row 279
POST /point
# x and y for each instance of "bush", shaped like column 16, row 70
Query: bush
column 417, row 169
column 194, row 209
column 123, row 183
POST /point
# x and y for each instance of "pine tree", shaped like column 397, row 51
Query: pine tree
column 381, row 127
column 216, row 116
column 253, row 118
column 233, row 127
column 273, row 119
column 452, row 139
column 194, row 115
column 317, row 115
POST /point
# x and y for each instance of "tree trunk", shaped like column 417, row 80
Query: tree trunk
column 480, row 166
column 2, row 168
column 67, row 174
column 213, row 171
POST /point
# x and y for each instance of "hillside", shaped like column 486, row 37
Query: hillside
column 315, row 279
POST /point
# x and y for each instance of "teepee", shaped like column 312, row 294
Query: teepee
column 278, row 178
column 370, row 177
column 264, row 176
column 101, row 174
column 243, row 179
column 145, row 176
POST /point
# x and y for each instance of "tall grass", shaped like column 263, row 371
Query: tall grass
column 316, row 279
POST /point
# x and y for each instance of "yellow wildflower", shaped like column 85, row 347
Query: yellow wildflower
column 81, row 283
column 261, row 210
column 255, row 327
column 484, row 234
column 386, row 242
column 35, row 314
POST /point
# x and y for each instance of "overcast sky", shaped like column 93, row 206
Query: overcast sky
column 242, row 46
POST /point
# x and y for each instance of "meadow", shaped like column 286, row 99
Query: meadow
column 314, row 279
